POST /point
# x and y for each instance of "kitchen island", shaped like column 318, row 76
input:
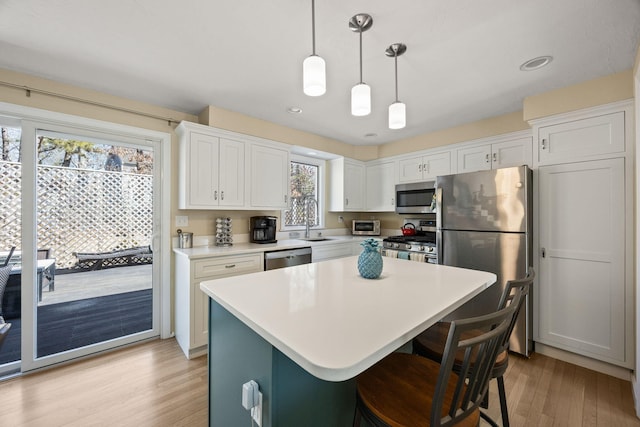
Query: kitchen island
column 303, row 333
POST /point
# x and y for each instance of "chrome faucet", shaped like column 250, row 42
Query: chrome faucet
column 307, row 202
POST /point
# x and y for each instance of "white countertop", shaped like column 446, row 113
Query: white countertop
column 335, row 324
column 246, row 248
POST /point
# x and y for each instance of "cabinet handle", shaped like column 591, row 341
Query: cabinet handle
column 215, row 195
column 346, row 201
column 222, row 195
column 425, row 167
column 420, row 168
column 230, row 266
column 543, row 252
column 544, row 143
column 495, row 157
column 486, row 158
column 285, row 199
column 393, row 201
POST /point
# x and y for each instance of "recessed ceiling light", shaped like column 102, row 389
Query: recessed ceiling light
column 294, row 110
column 536, row 63
column 370, row 135
column 312, row 153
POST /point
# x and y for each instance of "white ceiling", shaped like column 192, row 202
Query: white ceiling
column 461, row 65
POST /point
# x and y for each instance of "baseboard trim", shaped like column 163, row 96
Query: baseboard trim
column 585, row 362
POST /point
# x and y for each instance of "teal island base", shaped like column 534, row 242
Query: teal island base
column 292, row 397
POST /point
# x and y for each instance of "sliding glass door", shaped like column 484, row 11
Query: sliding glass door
column 87, row 220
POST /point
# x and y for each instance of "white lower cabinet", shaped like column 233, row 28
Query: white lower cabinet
column 584, row 295
column 192, row 305
column 331, row 251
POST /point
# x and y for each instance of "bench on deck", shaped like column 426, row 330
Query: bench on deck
column 118, row 258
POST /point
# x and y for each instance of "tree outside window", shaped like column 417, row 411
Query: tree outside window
column 304, row 178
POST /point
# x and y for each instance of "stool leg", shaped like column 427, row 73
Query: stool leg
column 503, row 402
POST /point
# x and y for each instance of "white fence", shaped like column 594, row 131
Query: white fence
column 79, row 210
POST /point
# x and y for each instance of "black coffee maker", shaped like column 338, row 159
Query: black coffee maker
column 262, row 229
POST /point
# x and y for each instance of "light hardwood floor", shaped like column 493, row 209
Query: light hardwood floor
column 153, row 384
column 542, row 391
column 150, row 384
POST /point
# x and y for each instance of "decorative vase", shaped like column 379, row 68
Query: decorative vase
column 370, row 260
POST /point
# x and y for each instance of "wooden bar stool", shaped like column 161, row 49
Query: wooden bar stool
column 412, row 391
column 431, row 343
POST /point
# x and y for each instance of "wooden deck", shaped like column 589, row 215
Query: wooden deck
column 90, row 284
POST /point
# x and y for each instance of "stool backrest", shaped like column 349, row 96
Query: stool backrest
column 467, row 388
column 507, row 298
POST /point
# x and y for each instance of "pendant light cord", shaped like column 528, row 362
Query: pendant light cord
column 313, row 26
column 396, row 60
column 361, row 56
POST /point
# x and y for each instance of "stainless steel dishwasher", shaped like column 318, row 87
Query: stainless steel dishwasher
column 286, row 258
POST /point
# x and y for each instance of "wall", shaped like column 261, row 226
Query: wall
column 636, row 378
column 611, row 88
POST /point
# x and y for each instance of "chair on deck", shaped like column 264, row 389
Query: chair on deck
column 410, row 390
column 431, row 343
column 4, row 331
column 5, row 271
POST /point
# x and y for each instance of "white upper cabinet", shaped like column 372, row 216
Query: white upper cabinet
column 502, row 154
column 269, row 177
column 220, row 169
column 380, row 185
column 581, row 139
column 347, row 181
column 211, row 171
column 424, row 168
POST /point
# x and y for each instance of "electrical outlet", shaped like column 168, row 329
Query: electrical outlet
column 340, row 219
column 256, row 411
column 182, row 221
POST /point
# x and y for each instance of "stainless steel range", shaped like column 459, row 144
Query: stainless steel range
column 420, row 246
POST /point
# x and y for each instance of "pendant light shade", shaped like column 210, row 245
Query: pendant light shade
column 397, row 115
column 397, row 110
column 360, row 93
column 360, row 100
column 314, row 76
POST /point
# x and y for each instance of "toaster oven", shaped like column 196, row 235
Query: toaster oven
column 365, row 227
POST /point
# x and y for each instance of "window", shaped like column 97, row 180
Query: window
column 305, row 189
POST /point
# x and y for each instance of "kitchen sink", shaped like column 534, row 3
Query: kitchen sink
column 314, row 239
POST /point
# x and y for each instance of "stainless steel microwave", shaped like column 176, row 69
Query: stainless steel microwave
column 365, row 227
column 417, row 197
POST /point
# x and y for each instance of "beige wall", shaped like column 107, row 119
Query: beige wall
column 615, row 87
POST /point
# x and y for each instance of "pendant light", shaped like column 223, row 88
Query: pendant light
column 360, row 93
column 314, row 78
column 397, row 110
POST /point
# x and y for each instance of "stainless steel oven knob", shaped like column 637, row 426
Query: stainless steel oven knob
column 395, row 246
column 421, row 248
column 407, row 247
column 431, row 248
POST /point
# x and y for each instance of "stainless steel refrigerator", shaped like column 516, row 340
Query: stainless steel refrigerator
column 484, row 223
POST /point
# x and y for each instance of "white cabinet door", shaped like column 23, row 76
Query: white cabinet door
column 354, row 186
column 332, row 251
column 410, row 170
column 231, row 173
column 200, row 171
column 568, row 142
column 269, row 177
column 380, row 183
column 581, row 286
column 511, row 153
column 474, row 158
column 347, row 186
column 435, row 165
column 424, row 168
